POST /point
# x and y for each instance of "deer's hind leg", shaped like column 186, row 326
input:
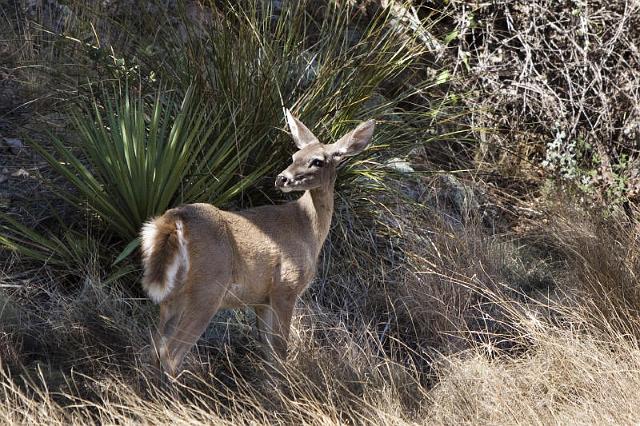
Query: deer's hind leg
column 170, row 312
column 187, row 316
column 264, row 321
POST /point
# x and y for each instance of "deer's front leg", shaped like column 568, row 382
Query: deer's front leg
column 273, row 318
column 264, row 323
column 282, row 303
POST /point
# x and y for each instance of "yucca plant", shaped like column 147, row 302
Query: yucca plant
column 60, row 251
column 144, row 158
column 135, row 157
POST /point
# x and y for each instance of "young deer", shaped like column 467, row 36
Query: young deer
column 199, row 259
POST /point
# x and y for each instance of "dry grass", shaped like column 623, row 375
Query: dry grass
column 463, row 327
column 566, row 378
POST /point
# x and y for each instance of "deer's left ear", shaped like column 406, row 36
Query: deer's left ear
column 302, row 136
column 353, row 142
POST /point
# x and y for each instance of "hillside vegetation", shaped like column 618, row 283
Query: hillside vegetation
column 483, row 262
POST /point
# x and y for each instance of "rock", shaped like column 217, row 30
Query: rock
column 405, row 20
column 306, row 69
column 199, row 18
column 400, row 165
column 53, row 14
column 276, row 6
column 458, row 202
column 20, row 172
column 15, row 145
column 456, row 196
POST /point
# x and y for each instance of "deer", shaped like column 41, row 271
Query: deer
column 198, row 259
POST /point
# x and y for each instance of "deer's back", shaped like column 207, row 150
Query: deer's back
column 256, row 247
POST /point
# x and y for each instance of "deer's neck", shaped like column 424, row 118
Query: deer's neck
column 317, row 205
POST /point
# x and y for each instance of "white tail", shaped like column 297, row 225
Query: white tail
column 198, row 259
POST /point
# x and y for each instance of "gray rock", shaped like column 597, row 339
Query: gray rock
column 15, row 145
column 53, row 14
column 400, row 165
column 20, row 173
column 456, row 196
column 459, row 203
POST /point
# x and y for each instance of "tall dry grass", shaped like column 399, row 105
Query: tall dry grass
column 460, row 326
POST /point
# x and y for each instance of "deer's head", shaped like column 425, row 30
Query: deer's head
column 314, row 163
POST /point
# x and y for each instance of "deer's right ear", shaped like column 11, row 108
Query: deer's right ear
column 302, row 136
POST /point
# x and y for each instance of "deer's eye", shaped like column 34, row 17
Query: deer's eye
column 316, row 163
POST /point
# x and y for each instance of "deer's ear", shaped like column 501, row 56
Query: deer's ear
column 302, row 136
column 353, row 142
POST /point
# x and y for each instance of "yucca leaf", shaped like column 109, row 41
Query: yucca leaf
column 134, row 244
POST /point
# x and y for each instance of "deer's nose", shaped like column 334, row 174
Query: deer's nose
column 281, row 180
